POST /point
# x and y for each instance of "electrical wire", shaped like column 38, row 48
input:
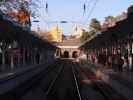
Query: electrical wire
column 86, row 7
column 91, row 11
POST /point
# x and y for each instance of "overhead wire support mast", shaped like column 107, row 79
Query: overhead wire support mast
column 91, row 11
column 46, row 5
column 86, row 6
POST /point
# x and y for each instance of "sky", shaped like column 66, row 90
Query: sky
column 72, row 11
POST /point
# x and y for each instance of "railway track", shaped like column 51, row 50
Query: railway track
column 20, row 91
column 65, row 85
column 52, row 83
column 105, row 90
column 44, row 83
column 62, row 82
column 76, row 82
column 57, row 82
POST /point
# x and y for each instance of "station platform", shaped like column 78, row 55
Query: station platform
column 122, row 82
column 8, row 71
column 12, row 78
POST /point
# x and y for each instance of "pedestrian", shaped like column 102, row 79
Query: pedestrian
column 125, row 64
column 115, row 62
column 130, row 63
column 37, row 58
column 109, row 62
column 120, row 63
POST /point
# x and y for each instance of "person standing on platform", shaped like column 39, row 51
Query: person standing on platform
column 115, row 62
column 130, row 63
column 109, row 62
column 125, row 64
column 120, row 63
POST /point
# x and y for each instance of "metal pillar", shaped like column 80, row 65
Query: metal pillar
column 12, row 61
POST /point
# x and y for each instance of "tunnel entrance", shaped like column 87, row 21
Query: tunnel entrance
column 75, row 54
column 66, row 54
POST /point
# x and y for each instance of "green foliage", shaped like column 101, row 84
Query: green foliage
column 95, row 25
column 7, row 6
column 109, row 20
column 86, row 35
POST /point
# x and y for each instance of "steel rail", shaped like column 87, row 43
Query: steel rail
column 103, row 88
column 104, row 91
column 57, row 76
column 53, row 82
column 76, row 82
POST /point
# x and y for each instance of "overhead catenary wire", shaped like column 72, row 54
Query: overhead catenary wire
column 87, row 3
column 86, row 6
column 87, row 11
column 90, row 12
column 46, row 7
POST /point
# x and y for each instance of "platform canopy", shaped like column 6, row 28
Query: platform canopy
column 12, row 31
column 123, row 30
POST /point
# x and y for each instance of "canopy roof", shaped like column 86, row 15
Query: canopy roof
column 122, row 30
column 12, row 31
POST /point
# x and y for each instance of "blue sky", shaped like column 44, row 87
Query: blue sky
column 72, row 10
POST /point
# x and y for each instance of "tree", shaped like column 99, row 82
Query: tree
column 110, row 20
column 95, row 25
column 8, row 6
column 86, row 35
column 20, row 10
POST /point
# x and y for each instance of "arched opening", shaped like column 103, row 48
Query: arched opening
column 75, row 54
column 66, row 54
column 58, row 53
